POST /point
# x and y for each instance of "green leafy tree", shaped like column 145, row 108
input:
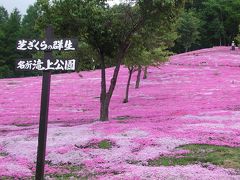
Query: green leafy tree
column 108, row 30
column 134, row 60
column 214, row 17
column 148, row 50
column 29, row 28
column 10, row 34
column 220, row 20
column 237, row 38
column 4, row 70
column 3, row 15
column 13, row 27
column 188, row 28
column 158, row 44
column 140, row 57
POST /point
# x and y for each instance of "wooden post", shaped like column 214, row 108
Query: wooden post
column 46, row 65
column 42, row 137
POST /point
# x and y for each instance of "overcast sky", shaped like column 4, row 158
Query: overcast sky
column 22, row 5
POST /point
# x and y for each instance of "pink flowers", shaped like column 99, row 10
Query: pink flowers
column 194, row 98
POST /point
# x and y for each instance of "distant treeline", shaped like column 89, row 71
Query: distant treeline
column 202, row 24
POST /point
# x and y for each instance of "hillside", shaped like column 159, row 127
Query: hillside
column 192, row 99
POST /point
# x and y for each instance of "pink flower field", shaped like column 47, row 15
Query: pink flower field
column 192, row 99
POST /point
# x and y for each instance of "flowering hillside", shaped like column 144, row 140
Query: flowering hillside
column 192, row 99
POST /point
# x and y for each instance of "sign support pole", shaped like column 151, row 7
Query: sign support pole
column 45, row 65
column 42, row 136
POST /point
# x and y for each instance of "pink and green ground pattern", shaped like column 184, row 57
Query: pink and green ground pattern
column 192, row 99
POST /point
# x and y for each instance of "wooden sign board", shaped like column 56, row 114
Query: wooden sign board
column 43, row 45
column 45, row 65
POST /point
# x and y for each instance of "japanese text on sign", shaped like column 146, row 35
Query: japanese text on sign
column 44, row 65
column 42, row 45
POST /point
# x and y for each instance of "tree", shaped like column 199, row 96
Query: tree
column 13, row 27
column 213, row 15
column 188, row 27
column 148, row 50
column 141, row 57
column 130, row 71
column 158, row 44
column 133, row 60
column 220, row 20
column 3, row 15
column 28, row 26
column 12, row 34
column 108, row 30
column 9, row 34
column 237, row 38
column 4, row 71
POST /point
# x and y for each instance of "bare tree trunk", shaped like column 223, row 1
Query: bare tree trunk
column 106, row 96
column 103, row 96
column 138, row 77
column 130, row 71
column 105, row 110
column 145, row 72
column 105, row 106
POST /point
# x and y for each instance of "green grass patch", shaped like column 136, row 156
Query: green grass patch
column 67, row 177
column 73, row 170
column 105, row 144
column 7, row 178
column 62, row 177
column 223, row 156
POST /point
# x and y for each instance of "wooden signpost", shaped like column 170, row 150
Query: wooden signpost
column 47, row 64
